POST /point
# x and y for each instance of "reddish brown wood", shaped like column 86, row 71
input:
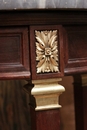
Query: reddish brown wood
column 49, row 120
column 75, row 50
column 45, row 120
column 14, row 52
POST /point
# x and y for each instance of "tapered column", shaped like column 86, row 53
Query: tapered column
column 47, row 65
column 44, row 104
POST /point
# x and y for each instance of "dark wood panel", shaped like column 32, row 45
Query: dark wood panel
column 9, row 48
column 76, row 40
column 14, row 51
column 43, row 16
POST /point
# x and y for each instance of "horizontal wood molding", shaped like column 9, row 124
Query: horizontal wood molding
column 43, row 16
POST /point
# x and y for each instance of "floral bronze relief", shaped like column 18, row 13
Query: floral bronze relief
column 47, row 51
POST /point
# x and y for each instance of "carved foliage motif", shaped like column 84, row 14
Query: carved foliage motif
column 47, row 51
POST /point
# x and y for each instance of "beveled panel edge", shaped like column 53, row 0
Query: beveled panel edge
column 15, row 75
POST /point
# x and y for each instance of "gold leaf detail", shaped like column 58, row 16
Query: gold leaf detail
column 47, row 51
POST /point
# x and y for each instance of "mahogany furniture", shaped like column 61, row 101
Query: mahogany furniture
column 27, row 52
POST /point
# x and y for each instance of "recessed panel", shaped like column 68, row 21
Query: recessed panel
column 14, row 52
column 10, row 48
column 77, row 42
column 76, row 49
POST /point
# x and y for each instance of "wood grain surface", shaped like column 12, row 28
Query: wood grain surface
column 14, row 109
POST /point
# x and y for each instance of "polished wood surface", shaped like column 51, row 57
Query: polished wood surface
column 14, row 53
column 16, row 43
column 45, row 120
column 76, row 56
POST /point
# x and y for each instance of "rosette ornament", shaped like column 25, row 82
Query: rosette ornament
column 47, row 51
